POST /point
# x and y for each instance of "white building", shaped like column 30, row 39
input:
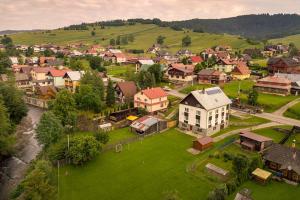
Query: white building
column 204, row 111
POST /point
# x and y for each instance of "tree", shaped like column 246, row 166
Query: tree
column 6, row 40
column 92, row 78
column 6, row 140
column 112, row 42
column 110, row 97
column 39, row 183
column 88, row 99
column 199, row 67
column 186, row 41
column 145, row 80
column 13, row 101
column 252, row 97
column 29, row 51
column 156, row 70
column 76, row 64
column 5, row 62
column 240, row 166
column 293, row 51
column 160, row 39
column 101, row 137
column 93, row 33
column 95, row 62
column 64, row 107
column 48, row 53
column 82, row 149
column 49, row 129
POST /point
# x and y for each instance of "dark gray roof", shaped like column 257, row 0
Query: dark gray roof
column 288, row 61
column 284, row 156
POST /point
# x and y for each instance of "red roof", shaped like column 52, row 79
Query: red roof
column 119, row 55
column 196, row 59
column 57, row 73
column 154, row 93
column 205, row 140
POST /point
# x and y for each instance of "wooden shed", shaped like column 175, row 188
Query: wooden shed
column 261, row 175
column 202, row 143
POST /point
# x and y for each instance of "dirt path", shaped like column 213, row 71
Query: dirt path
column 27, row 148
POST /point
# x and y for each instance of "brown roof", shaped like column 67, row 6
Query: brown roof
column 254, row 136
column 183, row 67
column 208, row 72
column 241, row 68
column 287, row 157
column 275, row 79
column 42, row 69
column 21, row 76
column 128, row 88
column 205, row 140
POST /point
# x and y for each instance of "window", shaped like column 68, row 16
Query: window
column 198, row 112
column 161, row 105
column 198, row 122
column 186, row 109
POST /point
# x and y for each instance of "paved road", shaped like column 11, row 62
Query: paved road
column 281, row 110
column 279, row 119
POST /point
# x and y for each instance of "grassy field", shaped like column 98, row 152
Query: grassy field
column 268, row 101
column 271, row 191
column 238, row 123
column 145, row 36
column 287, row 40
column 120, row 134
column 271, row 133
column 133, row 173
column 119, row 71
column 293, row 112
column 260, row 62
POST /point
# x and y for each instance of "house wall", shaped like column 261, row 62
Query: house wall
column 209, row 123
column 224, row 68
column 240, row 77
column 38, row 76
column 181, row 78
column 151, row 105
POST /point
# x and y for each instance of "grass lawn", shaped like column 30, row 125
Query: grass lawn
column 293, row 112
column 271, row 191
column 238, row 123
column 271, row 133
column 148, row 169
column 269, row 102
column 174, row 102
column 145, row 36
column 261, row 62
column 287, row 40
column 120, row 134
column 118, row 71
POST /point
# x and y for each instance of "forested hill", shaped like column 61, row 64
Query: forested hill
column 263, row 26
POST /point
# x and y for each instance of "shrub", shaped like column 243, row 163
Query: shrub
column 101, row 137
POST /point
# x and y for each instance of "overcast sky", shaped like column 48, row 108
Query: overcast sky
column 46, row 14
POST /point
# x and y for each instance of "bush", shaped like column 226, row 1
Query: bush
column 101, row 137
column 231, row 187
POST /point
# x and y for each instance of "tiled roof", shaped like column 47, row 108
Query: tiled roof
column 196, row 59
column 42, row 69
column 254, row 136
column 154, row 93
column 241, row 68
column 205, row 140
column 128, row 88
column 183, row 67
column 208, row 72
column 57, row 73
column 275, row 79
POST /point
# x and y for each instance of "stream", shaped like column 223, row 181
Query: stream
column 14, row 168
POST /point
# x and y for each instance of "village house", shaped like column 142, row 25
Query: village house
column 22, row 80
column 181, row 72
column 57, row 77
column 147, row 125
column 44, row 60
column 45, row 92
column 184, row 52
column 295, row 81
column 208, row 53
column 225, row 65
column 273, row 85
column 241, row 71
column 211, row 76
column 284, row 160
column 202, row 143
column 32, row 60
column 38, row 76
column 254, row 142
column 204, row 111
column 154, row 49
column 125, row 91
column 283, row 65
column 14, row 60
column 142, row 63
column 151, row 99
column 164, row 54
column 72, row 80
column 194, row 60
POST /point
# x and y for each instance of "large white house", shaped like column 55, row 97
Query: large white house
column 204, row 111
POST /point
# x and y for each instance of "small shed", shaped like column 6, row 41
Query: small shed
column 253, row 141
column 217, row 170
column 148, row 124
column 202, row 143
column 261, row 175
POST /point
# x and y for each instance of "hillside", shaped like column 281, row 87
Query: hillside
column 145, row 35
column 260, row 27
column 287, row 40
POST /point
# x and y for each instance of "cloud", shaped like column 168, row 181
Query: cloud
column 43, row 14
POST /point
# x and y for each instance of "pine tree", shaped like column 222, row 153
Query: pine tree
column 110, row 97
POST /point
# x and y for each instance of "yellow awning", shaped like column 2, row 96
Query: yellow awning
column 263, row 174
column 132, row 118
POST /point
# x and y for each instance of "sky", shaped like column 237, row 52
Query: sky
column 50, row 14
